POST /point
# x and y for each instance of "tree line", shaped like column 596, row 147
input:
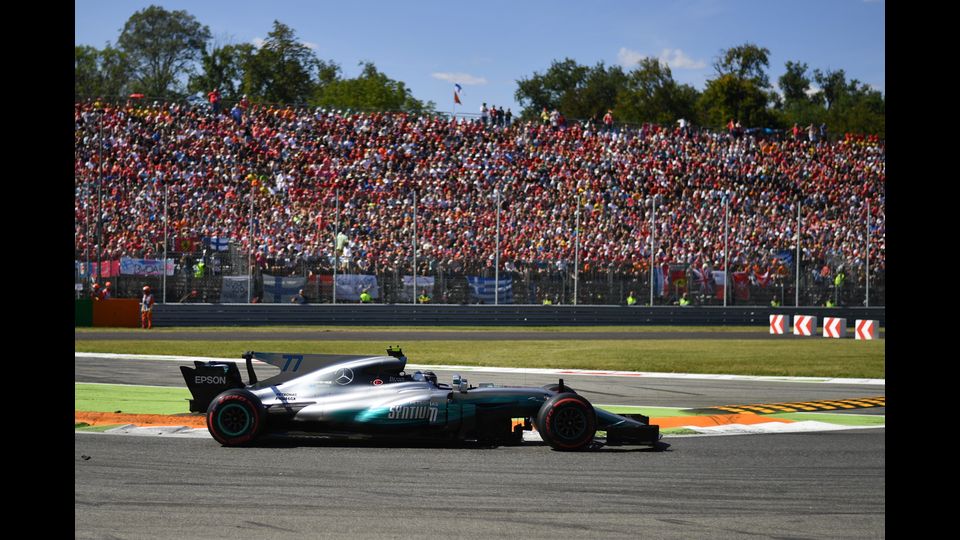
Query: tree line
column 170, row 55
column 740, row 91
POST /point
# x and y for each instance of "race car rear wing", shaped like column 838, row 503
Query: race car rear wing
column 207, row 379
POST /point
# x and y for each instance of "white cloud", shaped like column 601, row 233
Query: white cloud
column 675, row 58
column 461, row 78
column 258, row 42
column 627, row 58
column 311, row 46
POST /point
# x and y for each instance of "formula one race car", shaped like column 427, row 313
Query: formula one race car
column 372, row 397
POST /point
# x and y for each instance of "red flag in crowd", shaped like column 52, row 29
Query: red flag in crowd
column 741, row 286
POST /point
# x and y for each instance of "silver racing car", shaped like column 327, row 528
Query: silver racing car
column 373, row 397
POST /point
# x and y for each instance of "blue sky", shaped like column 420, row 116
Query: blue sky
column 488, row 46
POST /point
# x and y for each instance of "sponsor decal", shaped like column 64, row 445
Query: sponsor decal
column 421, row 410
column 343, row 376
column 377, row 382
column 209, row 379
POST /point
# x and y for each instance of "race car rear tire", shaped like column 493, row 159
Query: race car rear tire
column 567, row 422
column 235, row 417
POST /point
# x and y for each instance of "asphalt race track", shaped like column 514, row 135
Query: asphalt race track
column 787, row 486
column 802, row 485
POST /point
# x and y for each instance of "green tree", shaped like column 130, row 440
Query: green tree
column 223, row 68
column 794, row 83
column 577, row 91
column 86, row 71
column 851, row 106
column 162, row 47
column 652, row 95
column 284, row 70
column 833, row 84
column 728, row 97
column 371, row 91
column 745, row 62
column 799, row 106
column 741, row 90
column 550, row 89
column 99, row 73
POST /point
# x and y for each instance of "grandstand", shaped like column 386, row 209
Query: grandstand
column 285, row 192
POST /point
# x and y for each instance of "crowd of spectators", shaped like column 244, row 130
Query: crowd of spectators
column 297, row 161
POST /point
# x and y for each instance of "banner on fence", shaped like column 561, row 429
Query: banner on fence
column 704, row 280
column 185, row 242
column 762, row 280
column 661, row 280
column 233, row 290
column 423, row 282
column 279, row 290
column 349, row 286
column 107, row 269
column 483, row 289
column 145, row 267
column 217, row 243
column 678, row 280
column 741, row 286
column 719, row 282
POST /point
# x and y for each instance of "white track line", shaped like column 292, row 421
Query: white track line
column 529, row 371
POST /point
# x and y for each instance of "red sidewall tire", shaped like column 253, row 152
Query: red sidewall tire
column 235, row 417
column 567, row 422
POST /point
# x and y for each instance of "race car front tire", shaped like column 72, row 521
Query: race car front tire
column 567, row 422
column 235, row 417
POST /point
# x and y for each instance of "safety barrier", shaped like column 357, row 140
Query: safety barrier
column 804, row 325
column 478, row 315
column 83, row 312
column 119, row 312
column 866, row 329
column 834, row 327
column 779, row 324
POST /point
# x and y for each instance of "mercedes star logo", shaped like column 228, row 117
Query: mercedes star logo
column 343, row 376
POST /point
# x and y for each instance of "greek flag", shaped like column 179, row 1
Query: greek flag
column 483, row 289
column 279, row 290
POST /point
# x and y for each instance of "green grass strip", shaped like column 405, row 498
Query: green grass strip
column 652, row 412
column 789, row 357
column 859, row 420
column 130, row 399
column 96, row 429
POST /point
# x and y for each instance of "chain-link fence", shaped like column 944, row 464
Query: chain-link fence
column 225, row 277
